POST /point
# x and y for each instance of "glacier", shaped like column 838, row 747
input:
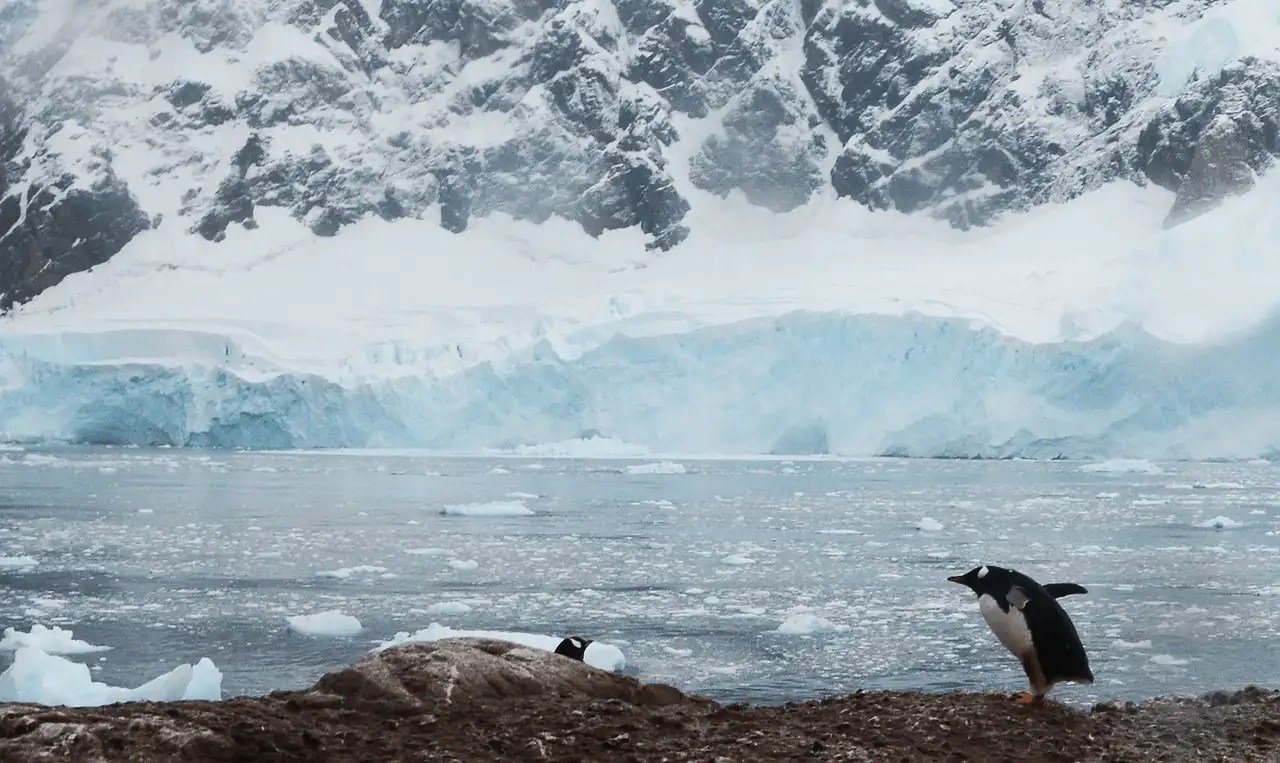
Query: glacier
column 1079, row 330
column 818, row 382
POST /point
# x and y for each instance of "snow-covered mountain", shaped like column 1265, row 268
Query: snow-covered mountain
column 120, row 115
column 923, row 227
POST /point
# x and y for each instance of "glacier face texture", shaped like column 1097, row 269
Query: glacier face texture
column 613, row 113
column 802, row 383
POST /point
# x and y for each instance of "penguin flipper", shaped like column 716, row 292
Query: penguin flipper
column 1018, row 597
column 1058, row 590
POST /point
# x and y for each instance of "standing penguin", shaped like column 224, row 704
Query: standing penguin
column 1029, row 621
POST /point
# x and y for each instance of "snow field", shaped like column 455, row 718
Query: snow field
column 1039, row 337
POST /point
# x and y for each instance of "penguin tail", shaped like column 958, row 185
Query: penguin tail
column 1083, row 676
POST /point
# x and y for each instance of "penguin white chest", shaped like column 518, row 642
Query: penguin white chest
column 1010, row 627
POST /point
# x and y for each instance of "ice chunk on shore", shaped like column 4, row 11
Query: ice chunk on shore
column 42, row 678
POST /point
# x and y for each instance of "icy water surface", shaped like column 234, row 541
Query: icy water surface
column 172, row 555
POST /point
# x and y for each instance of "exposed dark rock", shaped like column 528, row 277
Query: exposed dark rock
column 673, row 54
column 233, row 201
column 913, row 13
column 324, row 194
column 455, row 202
column 1221, row 167
column 197, row 104
column 767, row 150
column 208, row 24
column 50, row 232
column 12, row 135
column 350, row 34
column 1109, row 99
column 252, row 154
column 292, row 92
column 957, row 109
column 390, row 207
column 234, row 205
column 187, row 93
column 635, row 192
column 474, row 699
column 1209, row 143
column 875, row 64
column 479, row 28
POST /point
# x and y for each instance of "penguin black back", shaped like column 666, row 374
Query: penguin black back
column 1058, row 651
column 574, row 647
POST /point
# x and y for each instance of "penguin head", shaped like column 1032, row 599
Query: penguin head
column 985, row 579
column 574, row 647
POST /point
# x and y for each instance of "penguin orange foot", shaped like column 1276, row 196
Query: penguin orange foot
column 1027, row 699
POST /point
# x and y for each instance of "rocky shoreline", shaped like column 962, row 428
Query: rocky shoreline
column 473, row 700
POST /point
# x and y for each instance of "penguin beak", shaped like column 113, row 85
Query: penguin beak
column 958, row 579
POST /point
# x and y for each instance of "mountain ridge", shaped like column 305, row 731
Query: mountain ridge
column 116, row 117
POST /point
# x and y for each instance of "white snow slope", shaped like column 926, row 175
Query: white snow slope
column 1080, row 329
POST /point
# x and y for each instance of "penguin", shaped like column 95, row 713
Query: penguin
column 574, row 647
column 1031, row 624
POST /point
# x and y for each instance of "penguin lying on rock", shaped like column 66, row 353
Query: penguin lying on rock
column 574, row 647
column 1030, row 622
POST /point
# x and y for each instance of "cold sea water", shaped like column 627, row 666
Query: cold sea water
column 689, row 566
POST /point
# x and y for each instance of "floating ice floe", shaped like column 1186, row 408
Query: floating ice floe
column 448, row 608
column 662, row 467
column 345, row 572
column 1123, row 466
column 327, row 623
column 1122, row 644
column 53, row 640
column 1219, row 523
column 806, row 623
column 489, row 509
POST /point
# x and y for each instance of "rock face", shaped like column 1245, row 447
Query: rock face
column 465, row 671
column 1215, row 138
column 55, row 230
column 611, row 113
column 471, row 700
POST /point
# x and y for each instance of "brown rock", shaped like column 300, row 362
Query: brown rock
column 479, row 700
